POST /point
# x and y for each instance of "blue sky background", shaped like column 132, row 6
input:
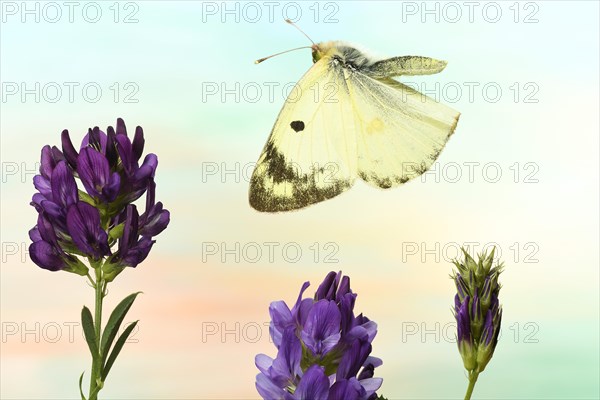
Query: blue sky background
column 544, row 220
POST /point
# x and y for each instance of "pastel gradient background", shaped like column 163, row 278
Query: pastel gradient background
column 203, row 315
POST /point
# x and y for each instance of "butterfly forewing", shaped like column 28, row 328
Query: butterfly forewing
column 310, row 155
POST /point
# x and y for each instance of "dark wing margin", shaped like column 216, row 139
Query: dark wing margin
column 298, row 189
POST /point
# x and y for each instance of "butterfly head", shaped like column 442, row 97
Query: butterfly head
column 322, row 49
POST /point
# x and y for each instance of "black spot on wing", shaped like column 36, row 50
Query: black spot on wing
column 297, row 126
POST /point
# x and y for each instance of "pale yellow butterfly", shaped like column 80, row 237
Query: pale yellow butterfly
column 347, row 118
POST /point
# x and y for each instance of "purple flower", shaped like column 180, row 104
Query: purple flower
column 314, row 385
column 281, row 372
column 477, row 310
column 88, row 221
column 57, row 192
column 83, row 222
column 350, row 389
column 323, row 350
column 322, row 329
column 64, row 188
column 132, row 249
column 46, row 251
column 464, row 335
column 155, row 219
column 94, row 172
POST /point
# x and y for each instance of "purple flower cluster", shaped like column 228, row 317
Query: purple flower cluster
column 477, row 310
column 74, row 223
column 323, row 349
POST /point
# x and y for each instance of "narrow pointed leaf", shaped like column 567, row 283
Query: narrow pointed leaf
column 87, row 323
column 80, row 389
column 117, row 349
column 114, row 323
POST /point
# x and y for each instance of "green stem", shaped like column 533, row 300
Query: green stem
column 472, row 380
column 97, row 361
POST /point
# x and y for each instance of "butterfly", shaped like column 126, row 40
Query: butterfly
column 348, row 118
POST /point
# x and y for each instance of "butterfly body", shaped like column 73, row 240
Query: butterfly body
column 348, row 119
column 339, row 52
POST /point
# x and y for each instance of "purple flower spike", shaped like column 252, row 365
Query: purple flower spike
column 477, row 310
column 81, row 220
column 323, row 350
column 82, row 225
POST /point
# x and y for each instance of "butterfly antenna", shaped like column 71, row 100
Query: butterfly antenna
column 297, row 27
column 287, row 51
column 283, row 52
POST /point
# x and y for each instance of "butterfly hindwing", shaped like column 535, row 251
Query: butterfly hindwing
column 400, row 131
column 310, row 155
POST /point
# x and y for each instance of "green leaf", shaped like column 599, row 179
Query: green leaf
column 81, row 390
column 381, row 398
column 117, row 349
column 88, row 329
column 114, row 323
